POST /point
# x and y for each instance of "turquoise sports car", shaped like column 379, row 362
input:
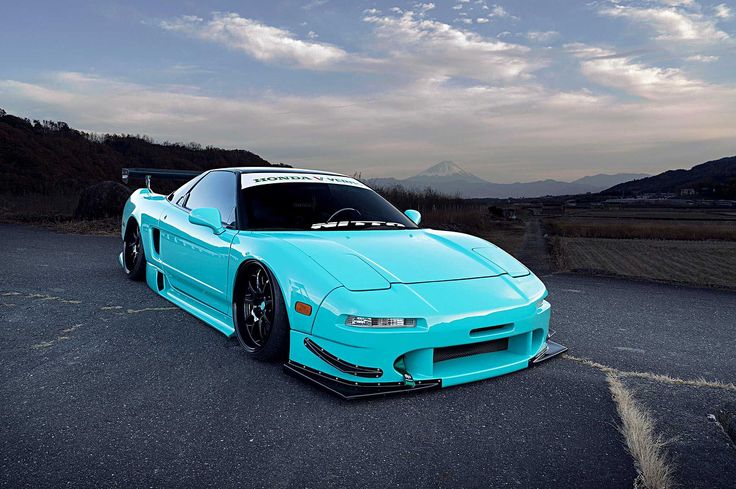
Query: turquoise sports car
column 318, row 270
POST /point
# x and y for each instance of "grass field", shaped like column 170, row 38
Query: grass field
column 703, row 263
column 643, row 229
column 689, row 246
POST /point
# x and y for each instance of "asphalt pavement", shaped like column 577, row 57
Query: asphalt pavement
column 105, row 384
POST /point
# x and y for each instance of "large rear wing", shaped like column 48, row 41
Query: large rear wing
column 159, row 173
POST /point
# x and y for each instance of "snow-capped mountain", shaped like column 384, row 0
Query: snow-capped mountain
column 445, row 169
column 449, row 178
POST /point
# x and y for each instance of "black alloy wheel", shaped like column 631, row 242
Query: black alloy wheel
column 134, row 257
column 260, row 317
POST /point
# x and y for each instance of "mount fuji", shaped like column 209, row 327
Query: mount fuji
column 448, row 178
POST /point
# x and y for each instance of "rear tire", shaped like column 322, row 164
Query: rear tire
column 259, row 313
column 134, row 257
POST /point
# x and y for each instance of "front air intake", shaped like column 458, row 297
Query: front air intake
column 459, row 351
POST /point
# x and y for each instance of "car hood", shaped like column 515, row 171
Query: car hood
column 370, row 260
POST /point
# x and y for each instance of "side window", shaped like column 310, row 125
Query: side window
column 216, row 189
column 178, row 196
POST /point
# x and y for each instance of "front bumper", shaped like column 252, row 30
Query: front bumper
column 465, row 334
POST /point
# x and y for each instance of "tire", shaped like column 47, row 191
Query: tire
column 261, row 322
column 134, row 256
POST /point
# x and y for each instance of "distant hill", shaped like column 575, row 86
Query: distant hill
column 711, row 179
column 447, row 177
column 603, row 180
column 50, row 157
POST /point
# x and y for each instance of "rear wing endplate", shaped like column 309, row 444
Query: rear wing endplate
column 163, row 174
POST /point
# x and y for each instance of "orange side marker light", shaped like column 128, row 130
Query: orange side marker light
column 303, row 308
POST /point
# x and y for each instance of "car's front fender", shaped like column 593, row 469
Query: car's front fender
column 301, row 279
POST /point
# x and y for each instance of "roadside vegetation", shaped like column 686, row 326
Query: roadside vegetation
column 450, row 213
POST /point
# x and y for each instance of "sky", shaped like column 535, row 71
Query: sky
column 510, row 91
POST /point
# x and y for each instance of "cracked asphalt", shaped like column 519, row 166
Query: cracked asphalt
column 105, row 384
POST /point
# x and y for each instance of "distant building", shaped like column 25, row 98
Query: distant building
column 687, row 191
column 510, row 213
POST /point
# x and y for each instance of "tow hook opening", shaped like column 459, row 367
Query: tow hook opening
column 400, row 366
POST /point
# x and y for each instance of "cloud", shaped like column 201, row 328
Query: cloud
column 500, row 12
column 670, row 23
column 482, row 20
column 608, row 68
column 699, row 58
column 722, row 11
column 542, row 36
column 262, row 42
column 425, row 7
column 522, row 131
column 314, row 4
column 429, row 48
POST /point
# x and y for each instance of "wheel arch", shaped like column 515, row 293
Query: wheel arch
column 300, row 279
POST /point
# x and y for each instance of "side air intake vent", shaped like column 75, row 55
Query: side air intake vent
column 157, row 240
column 160, row 281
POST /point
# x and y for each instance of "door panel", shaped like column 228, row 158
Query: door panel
column 196, row 259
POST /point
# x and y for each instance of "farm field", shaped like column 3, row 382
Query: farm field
column 695, row 247
column 707, row 263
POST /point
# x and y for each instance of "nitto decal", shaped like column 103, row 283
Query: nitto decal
column 344, row 224
column 254, row 179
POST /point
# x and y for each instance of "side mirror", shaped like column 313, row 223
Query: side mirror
column 207, row 217
column 415, row 216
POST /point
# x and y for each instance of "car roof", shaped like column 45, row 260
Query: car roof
column 278, row 169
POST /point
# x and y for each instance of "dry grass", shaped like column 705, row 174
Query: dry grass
column 702, row 263
column 637, row 229
column 54, row 212
column 665, row 379
column 647, row 448
column 450, row 213
column 37, row 208
column 652, row 213
column 96, row 227
column 474, row 219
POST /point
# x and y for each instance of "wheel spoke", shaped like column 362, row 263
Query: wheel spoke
column 257, row 306
column 266, row 326
column 251, row 293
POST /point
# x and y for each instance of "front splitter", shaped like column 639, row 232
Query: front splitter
column 553, row 349
column 356, row 390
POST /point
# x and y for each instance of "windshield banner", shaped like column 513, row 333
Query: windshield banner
column 254, row 179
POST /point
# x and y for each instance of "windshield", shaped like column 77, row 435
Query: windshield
column 319, row 207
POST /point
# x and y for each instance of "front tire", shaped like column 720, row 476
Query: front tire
column 261, row 323
column 134, row 257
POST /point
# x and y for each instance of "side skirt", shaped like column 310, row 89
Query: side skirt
column 216, row 319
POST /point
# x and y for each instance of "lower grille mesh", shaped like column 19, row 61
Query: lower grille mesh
column 452, row 352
